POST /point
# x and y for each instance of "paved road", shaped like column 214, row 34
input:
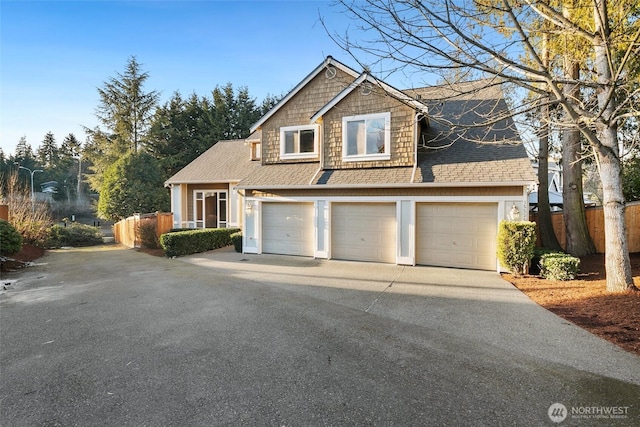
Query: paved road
column 110, row 336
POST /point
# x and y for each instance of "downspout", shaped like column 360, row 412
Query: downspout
column 415, row 144
column 321, row 149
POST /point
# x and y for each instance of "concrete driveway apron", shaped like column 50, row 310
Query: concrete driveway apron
column 116, row 337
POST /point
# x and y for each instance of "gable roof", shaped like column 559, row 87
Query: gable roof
column 329, row 61
column 460, row 150
column 365, row 77
column 226, row 161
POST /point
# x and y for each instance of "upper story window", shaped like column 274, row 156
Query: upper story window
column 255, row 151
column 299, row 142
column 366, row 137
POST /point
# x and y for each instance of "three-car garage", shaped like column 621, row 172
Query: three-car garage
column 461, row 235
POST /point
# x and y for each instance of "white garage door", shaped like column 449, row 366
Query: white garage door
column 363, row 231
column 457, row 235
column 287, row 228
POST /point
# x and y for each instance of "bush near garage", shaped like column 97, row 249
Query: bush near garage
column 195, row 241
column 75, row 235
column 559, row 266
column 10, row 239
column 148, row 235
column 516, row 243
column 236, row 240
column 538, row 253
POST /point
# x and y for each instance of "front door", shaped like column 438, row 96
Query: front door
column 210, row 209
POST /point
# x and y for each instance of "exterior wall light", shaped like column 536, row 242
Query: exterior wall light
column 514, row 215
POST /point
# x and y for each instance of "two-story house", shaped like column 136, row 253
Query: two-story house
column 348, row 167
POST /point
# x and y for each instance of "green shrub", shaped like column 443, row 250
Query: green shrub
column 74, row 234
column 236, row 240
column 146, row 229
column 559, row 266
column 516, row 242
column 538, row 253
column 195, row 241
column 10, row 239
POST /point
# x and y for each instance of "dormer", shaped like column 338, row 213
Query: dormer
column 287, row 134
column 254, row 141
column 370, row 124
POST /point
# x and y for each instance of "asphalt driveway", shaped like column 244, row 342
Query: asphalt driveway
column 110, row 336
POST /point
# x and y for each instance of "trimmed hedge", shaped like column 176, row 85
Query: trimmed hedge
column 559, row 266
column 516, row 242
column 10, row 239
column 538, row 253
column 75, row 235
column 236, row 240
column 195, row 241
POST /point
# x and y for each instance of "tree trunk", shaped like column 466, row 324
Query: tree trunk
column 617, row 263
column 547, row 235
column 545, row 226
column 578, row 240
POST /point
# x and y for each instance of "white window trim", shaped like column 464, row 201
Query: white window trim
column 367, row 157
column 203, row 222
column 316, row 136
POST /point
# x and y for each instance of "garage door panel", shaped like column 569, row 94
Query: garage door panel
column 288, row 228
column 364, row 231
column 456, row 235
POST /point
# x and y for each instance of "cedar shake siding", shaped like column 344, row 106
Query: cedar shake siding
column 377, row 101
column 298, row 110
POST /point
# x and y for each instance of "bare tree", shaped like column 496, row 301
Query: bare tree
column 502, row 40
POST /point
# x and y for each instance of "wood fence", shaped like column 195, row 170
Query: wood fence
column 127, row 231
column 595, row 224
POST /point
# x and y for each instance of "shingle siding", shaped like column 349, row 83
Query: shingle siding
column 357, row 104
column 319, row 91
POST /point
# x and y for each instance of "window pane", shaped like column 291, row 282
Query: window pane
column 375, row 136
column 222, row 213
column 355, row 138
column 199, row 209
column 290, row 138
column 306, row 141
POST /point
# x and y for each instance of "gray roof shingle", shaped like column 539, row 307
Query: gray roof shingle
column 281, row 175
column 226, row 161
column 459, row 148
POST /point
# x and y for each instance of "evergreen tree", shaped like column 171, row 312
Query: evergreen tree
column 182, row 129
column 48, row 152
column 4, row 167
column 23, row 151
column 68, row 164
column 631, row 179
column 133, row 184
column 124, row 113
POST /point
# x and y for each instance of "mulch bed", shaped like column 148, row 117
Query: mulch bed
column 585, row 301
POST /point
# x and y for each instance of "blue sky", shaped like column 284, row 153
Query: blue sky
column 55, row 54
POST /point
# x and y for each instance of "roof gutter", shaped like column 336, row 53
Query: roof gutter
column 395, row 185
column 226, row 181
